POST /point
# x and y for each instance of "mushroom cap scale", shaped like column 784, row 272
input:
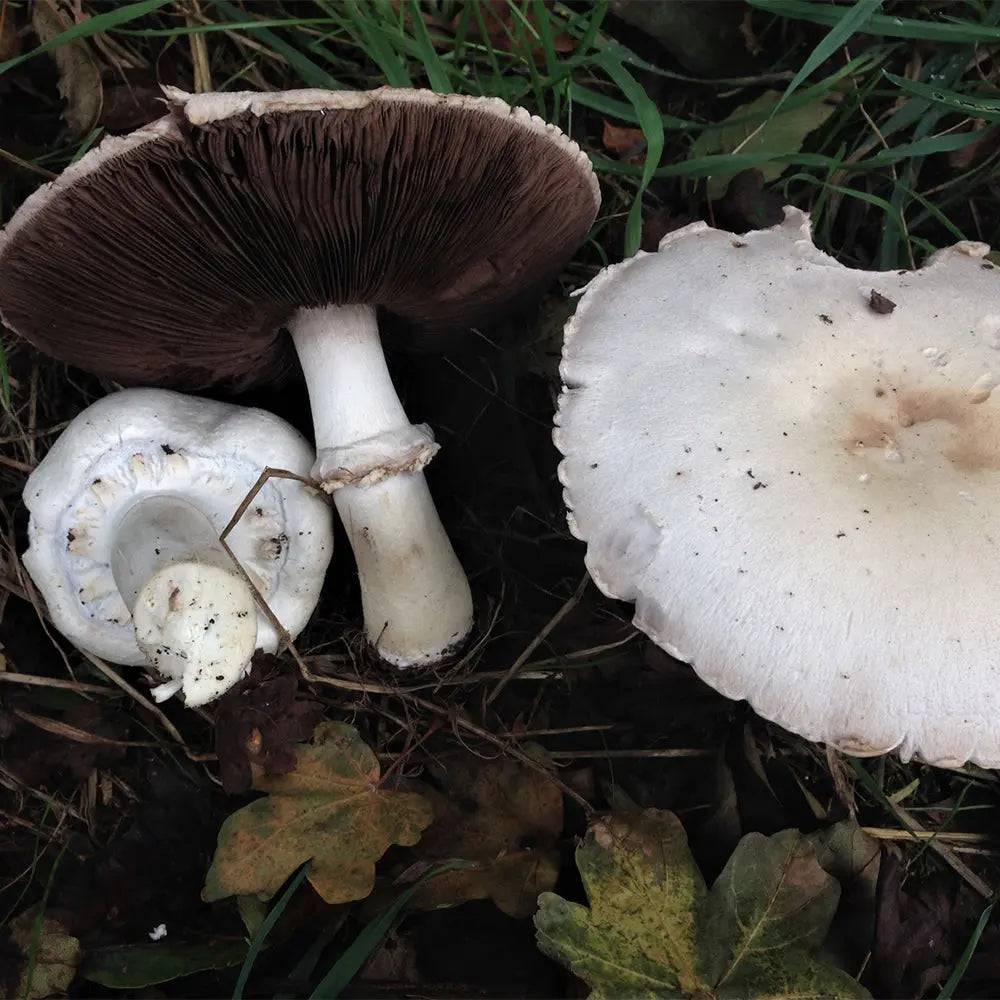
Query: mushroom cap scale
column 151, row 442
column 178, row 253
column 798, row 491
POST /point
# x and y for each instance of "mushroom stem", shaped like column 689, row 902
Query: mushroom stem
column 194, row 615
column 414, row 592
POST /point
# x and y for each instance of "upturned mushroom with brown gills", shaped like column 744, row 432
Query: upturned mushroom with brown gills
column 793, row 469
column 219, row 241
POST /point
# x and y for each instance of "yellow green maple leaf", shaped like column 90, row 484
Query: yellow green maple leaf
column 653, row 929
column 331, row 810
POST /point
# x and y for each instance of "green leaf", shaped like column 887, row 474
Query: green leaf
column 771, row 906
column 638, row 936
column 652, row 930
column 330, row 809
column 742, row 132
column 133, row 966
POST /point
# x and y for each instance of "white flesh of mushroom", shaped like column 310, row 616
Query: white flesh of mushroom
column 126, row 512
column 800, row 492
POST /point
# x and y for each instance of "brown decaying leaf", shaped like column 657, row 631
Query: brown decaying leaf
column 500, row 23
column 912, row 949
column 504, row 816
column 979, row 149
column 259, row 720
column 748, row 203
column 880, row 303
column 329, row 811
column 629, row 144
column 10, row 38
column 132, row 98
column 79, row 75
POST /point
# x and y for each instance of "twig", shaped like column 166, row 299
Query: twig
column 571, row 603
column 53, row 682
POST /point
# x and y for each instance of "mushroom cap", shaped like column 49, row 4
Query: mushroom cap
column 796, row 485
column 177, row 253
column 145, row 442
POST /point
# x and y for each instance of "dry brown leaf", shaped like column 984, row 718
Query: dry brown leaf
column 79, row 75
column 330, row 810
column 629, row 144
column 502, row 815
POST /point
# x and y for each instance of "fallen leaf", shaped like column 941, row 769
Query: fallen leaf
column 133, row 98
column 913, row 946
column 499, row 23
column 10, row 37
column 502, row 815
column 79, row 76
column 748, row 204
column 259, row 720
column 880, row 303
column 853, row 858
column 56, row 955
column 985, row 144
column 783, row 134
column 133, row 966
column 329, row 809
column 653, row 929
column 629, row 144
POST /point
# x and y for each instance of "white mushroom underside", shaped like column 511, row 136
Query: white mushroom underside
column 800, row 495
column 143, row 443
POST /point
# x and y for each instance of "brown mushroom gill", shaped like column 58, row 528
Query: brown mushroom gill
column 209, row 240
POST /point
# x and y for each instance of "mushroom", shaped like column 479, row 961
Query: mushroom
column 208, row 244
column 126, row 514
column 795, row 479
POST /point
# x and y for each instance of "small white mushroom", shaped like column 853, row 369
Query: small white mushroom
column 796, row 480
column 126, row 514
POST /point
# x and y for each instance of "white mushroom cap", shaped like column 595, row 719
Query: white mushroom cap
column 151, row 443
column 799, row 492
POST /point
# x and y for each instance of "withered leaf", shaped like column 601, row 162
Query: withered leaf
column 259, row 720
column 880, row 303
column 627, row 143
column 503, row 815
column 79, row 76
column 330, row 809
column 52, row 958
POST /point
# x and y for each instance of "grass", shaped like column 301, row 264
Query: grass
column 904, row 164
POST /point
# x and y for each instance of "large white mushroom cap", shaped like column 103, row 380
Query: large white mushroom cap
column 800, row 493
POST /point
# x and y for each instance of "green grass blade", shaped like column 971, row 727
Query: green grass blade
column 88, row 28
column 987, row 108
column 434, row 65
column 882, row 24
column 308, row 72
column 955, row 979
column 346, row 967
column 652, row 128
column 852, row 20
column 621, row 110
column 257, row 942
